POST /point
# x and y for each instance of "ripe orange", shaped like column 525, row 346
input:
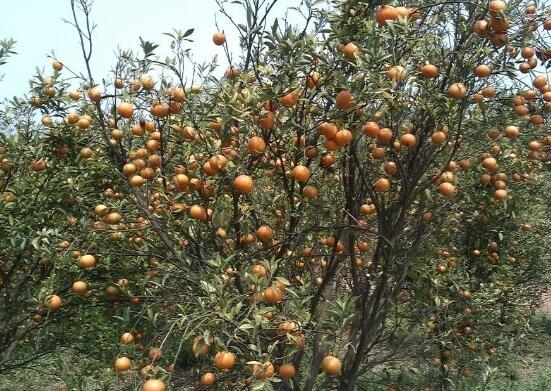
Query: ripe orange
column 385, row 135
column 313, row 80
column 407, row 140
column 457, row 91
column 272, row 295
column 219, row 38
column 127, row 338
column 386, row 13
column 160, row 110
column 350, row 50
column 197, row 212
column 438, row 137
column 309, row 191
column 87, row 261
column 371, row 129
column 396, row 73
column 429, row 71
column 208, row 379
column 122, row 364
column 94, row 94
column 540, row 82
column 243, row 184
column 483, row 70
column 154, row 385
column 287, row 371
column 137, row 180
column 343, row 137
column 125, row 110
column 79, row 287
column 256, row 145
column 382, row 185
column 263, row 371
column 57, row 65
column 264, row 233
column 259, row 271
column 266, row 120
column 232, row 73
column 53, row 302
column 300, row 173
column 490, row 164
column 331, row 365
column 290, row 99
column 155, row 354
column 327, row 129
column 344, row 100
column 113, row 218
column 446, row 189
column 328, row 160
column 224, row 360
column 496, row 5
column 500, row 194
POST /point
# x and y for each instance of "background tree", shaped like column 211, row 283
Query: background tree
column 351, row 186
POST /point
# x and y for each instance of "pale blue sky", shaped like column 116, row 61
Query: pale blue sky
column 38, row 28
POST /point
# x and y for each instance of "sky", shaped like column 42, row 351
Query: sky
column 38, row 28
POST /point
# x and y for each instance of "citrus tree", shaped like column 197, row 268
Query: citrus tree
column 348, row 187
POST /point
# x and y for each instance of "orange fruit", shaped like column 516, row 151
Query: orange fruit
column 331, row 365
column 263, row 371
column 259, row 271
column 219, row 38
column 224, row 360
column 153, row 385
column 313, row 80
column 137, row 180
column 57, row 65
column 386, row 13
column 155, row 354
column 264, row 233
column 197, row 212
column 482, row 70
column 300, row 173
column 407, row 140
column 429, row 71
column 371, row 129
column 287, row 371
column 122, row 364
column 256, row 145
column 350, row 50
column 343, row 137
column 438, row 137
column 496, row 6
column 309, row 191
column 94, row 94
column 446, row 189
column 457, row 91
column 290, row 99
column 208, row 379
column 79, row 287
column 243, row 184
column 382, row 185
column 272, row 295
column 396, row 73
column 266, row 120
column 232, row 73
column 53, row 302
column 125, row 110
column 344, row 100
column 87, row 261
column 490, row 164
